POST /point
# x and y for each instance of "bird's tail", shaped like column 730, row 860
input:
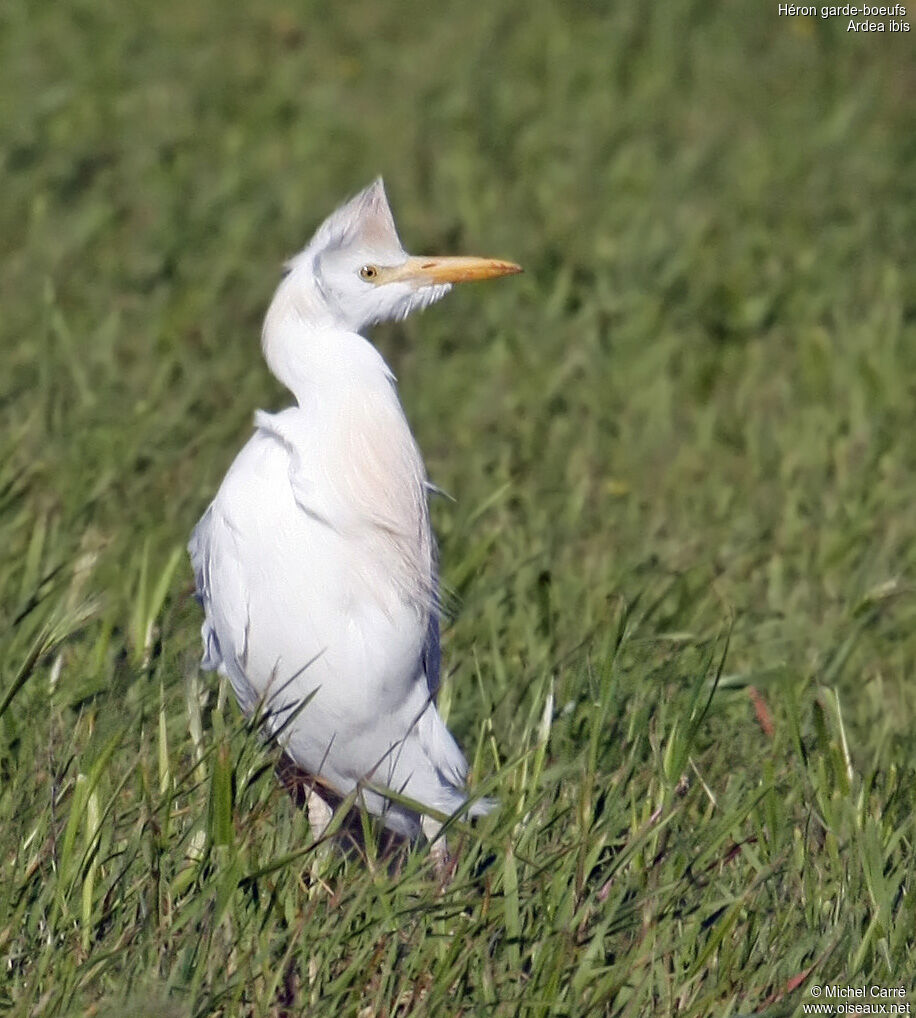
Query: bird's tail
column 449, row 764
column 481, row 807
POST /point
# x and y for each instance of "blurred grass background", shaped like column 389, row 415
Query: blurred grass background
column 681, row 448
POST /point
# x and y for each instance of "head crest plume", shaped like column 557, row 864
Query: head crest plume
column 365, row 219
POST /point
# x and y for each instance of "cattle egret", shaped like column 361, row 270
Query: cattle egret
column 315, row 563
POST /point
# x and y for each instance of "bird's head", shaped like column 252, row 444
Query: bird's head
column 358, row 270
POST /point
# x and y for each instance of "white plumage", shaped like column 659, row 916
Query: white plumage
column 315, row 563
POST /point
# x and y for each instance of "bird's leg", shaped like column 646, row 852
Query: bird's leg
column 438, row 849
column 319, row 815
column 302, row 790
column 318, row 811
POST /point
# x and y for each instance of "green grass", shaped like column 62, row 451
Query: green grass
column 681, row 447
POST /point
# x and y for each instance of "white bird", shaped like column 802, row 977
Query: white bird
column 315, row 563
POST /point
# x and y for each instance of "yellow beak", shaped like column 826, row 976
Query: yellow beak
column 426, row 271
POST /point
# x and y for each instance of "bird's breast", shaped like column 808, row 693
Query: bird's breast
column 319, row 570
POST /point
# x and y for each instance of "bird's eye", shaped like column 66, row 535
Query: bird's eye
column 368, row 273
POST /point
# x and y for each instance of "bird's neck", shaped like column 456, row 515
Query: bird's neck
column 313, row 354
